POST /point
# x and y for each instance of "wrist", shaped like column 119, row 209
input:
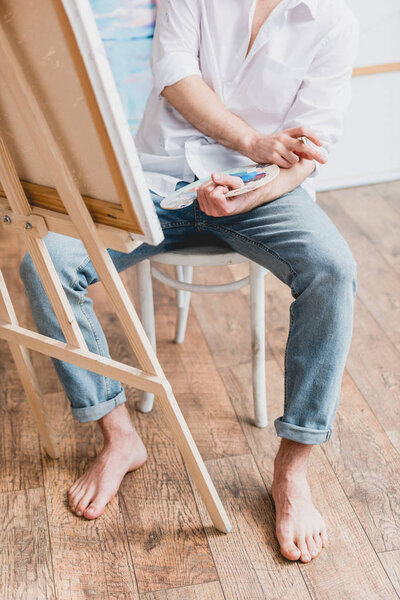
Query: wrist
column 262, row 195
column 250, row 143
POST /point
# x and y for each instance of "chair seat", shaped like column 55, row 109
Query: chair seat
column 200, row 256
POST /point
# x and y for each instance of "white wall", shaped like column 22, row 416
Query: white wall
column 369, row 150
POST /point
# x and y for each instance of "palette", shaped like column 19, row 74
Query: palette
column 253, row 177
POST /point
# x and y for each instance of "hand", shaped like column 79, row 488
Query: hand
column 212, row 200
column 283, row 148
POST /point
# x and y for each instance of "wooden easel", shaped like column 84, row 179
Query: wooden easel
column 18, row 215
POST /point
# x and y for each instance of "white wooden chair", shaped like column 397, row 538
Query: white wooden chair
column 184, row 260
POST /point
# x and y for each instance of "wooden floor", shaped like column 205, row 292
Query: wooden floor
column 155, row 540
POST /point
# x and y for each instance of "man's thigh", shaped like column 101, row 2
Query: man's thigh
column 289, row 236
column 70, row 257
column 179, row 229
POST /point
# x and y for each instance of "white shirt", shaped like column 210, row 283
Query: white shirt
column 298, row 72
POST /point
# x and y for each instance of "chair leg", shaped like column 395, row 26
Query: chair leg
column 183, row 302
column 258, row 343
column 180, row 294
column 146, row 301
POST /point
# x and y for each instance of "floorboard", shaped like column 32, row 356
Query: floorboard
column 391, row 563
column 205, row 591
column 25, row 559
column 376, row 217
column 374, row 272
column 155, row 541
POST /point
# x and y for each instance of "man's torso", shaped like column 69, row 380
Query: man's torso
column 258, row 86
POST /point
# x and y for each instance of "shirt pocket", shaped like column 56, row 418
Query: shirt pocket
column 272, row 86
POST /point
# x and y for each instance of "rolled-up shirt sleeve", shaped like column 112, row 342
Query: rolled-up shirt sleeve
column 175, row 48
column 325, row 93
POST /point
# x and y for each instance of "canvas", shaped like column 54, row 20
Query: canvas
column 126, row 28
column 59, row 49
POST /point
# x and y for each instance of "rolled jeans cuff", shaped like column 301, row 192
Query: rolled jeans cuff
column 97, row 411
column 304, row 435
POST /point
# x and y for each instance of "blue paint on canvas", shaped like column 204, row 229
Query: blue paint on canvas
column 126, row 28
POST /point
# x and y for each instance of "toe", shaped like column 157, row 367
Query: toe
column 75, row 486
column 95, row 508
column 74, row 501
column 324, row 537
column 318, row 542
column 305, row 555
column 312, row 548
column 74, row 494
column 83, row 504
column 287, row 546
column 290, row 551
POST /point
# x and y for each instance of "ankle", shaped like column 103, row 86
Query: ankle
column 292, row 452
column 290, row 464
column 289, row 476
column 117, row 426
column 291, row 461
column 120, row 437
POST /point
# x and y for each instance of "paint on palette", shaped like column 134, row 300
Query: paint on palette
column 253, row 176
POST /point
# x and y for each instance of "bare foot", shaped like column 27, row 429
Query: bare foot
column 300, row 529
column 123, row 451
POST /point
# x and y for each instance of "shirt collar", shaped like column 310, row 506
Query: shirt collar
column 311, row 5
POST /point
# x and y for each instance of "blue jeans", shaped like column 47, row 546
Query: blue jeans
column 293, row 238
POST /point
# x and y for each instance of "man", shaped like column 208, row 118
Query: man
column 236, row 81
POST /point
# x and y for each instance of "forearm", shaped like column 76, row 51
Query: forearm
column 201, row 106
column 212, row 199
column 286, row 181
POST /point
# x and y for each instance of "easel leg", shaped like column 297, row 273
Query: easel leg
column 194, row 462
column 31, row 387
column 27, row 375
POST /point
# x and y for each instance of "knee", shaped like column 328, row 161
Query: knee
column 65, row 254
column 329, row 264
column 340, row 269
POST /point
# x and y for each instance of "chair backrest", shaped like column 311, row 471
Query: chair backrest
column 127, row 33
